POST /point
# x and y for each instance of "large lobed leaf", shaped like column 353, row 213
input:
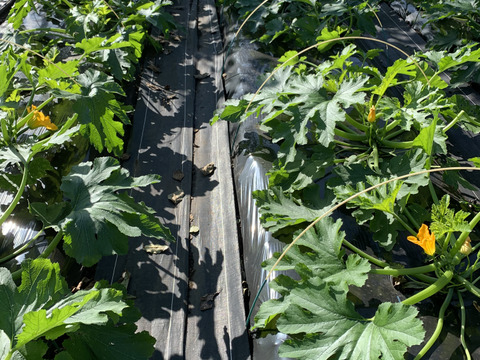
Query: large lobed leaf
column 97, row 220
column 98, row 109
column 278, row 210
column 323, row 324
column 42, row 307
column 320, row 251
column 343, row 334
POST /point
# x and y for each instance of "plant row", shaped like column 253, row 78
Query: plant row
column 61, row 92
column 347, row 140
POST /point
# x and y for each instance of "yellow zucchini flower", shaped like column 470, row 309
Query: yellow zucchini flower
column 466, row 248
column 371, row 114
column 39, row 119
column 424, row 239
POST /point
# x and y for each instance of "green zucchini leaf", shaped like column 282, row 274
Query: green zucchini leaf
column 101, row 219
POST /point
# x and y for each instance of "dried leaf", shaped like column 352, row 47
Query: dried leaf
column 154, row 68
column 201, row 76
column 125, row 279
column 178, row 175
column 155, row 249
column 207, row 301
column 153, row 86
column 194, row 229
column 208, row 169
column 177, row 196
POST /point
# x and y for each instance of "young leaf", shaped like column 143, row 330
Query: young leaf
column 98, row 43
column 445, row 220
column 400, row 67
column 96, row 107
column 54, row 71
column 381, row 198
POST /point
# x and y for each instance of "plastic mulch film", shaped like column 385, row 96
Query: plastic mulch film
column 243, row 68
column 16, row 233
column 258, row 244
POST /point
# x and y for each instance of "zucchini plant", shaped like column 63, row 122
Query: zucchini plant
column 369, row 140
column 61, row 92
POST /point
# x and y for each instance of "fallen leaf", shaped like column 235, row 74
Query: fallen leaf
column 125, row 279
column 154, row 68
column 83, row 284
column 208, row 169
column 153, row 86
column 178, row 175
column 176, row 197
column 194, row 229
column 476, row 306
column 201, row 76
column 207, row 301
column 155, row 249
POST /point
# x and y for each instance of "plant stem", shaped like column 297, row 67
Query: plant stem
column 453, row 122
column 397, row 144
column 353, row 137
column 17, row 197
column 66, row 2
column 439, row 327
column 446, row 242
column 408, row 271
column 56, row 30
column 431, row 290
column 432, row 192
column 404, row 224
column 394, row 134
column 462, row 328
column 392, row 126
column 53, row 244
column 347, row 129
column 468, row 285
column 463, row 236
column 22, row 249
column 363, row 254
column 355, row 123
column 410, row 217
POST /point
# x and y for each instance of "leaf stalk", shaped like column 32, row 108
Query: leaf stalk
column 438, row 285
column 438, row 328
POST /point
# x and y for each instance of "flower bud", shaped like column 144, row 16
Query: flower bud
column 371, row 115
column 466, row 248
